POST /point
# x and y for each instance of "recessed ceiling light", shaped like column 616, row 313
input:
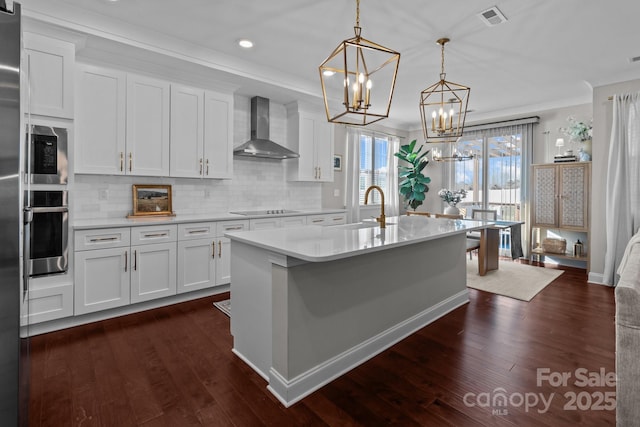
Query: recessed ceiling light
column 245, row 43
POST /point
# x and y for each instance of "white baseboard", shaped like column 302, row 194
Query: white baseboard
column 291, row 391
column 597, row 279
column 69, row 322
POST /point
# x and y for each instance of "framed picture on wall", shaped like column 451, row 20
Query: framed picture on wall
column 152, row 200
column 337, row 162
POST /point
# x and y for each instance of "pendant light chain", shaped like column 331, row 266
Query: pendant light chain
column 357, row 29
column 442, row 73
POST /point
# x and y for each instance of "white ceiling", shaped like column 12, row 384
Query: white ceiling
column 550, row 53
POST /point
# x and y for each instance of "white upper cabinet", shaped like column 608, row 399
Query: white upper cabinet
column 147, row 126
column 218, row 135
column 48, row 64
column 201, row 138
column 187, row 132
column 100, row 121
column 311, row 136
column 122, row 123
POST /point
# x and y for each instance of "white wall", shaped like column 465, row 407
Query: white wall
column 256, row 183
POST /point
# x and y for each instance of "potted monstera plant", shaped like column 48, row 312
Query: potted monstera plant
column 413, row 184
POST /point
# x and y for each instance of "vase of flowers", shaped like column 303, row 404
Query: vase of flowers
column 579, row 132
column 452, row 198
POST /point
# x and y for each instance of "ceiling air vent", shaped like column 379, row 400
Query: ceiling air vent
column 634, row 59
column 492, row 16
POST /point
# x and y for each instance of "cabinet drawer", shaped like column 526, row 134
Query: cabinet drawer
column 336, row 219
column 317, row 220
column 154, row 234
column 227, row 226
column 101, row 238
column 196, row 230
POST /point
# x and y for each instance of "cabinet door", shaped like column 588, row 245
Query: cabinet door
column 574, row 196
column 49, row 69
column 323, row 140
column 47, row 303
column 218, row 139
column 187, row 114
column 307, row 167
column 545, row 200
column 196, row 264
column 153, row 271
column 223, row 261
column 100, row 121
column 147, row 126
column 101, row 279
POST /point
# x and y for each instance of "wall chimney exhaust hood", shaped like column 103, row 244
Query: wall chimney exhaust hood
column 260, row 145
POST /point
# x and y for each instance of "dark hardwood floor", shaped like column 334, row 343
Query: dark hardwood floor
column 173, row 366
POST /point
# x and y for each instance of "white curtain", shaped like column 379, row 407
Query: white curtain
column 622, row 211
column 353, row 175
column 392, row 205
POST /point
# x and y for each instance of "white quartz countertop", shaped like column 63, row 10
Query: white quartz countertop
column 319, row 244
column 83, row 224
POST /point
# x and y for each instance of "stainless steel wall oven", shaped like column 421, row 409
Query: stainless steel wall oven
column 48, row 225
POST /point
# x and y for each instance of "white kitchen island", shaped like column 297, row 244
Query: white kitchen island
column 308, row 304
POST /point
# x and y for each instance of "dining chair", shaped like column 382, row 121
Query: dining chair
column 418, row 213
column 458, row 216
column 473, row 237
column 487, row 214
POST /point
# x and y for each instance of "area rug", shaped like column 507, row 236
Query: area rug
column 224, row 306
column 511, row 279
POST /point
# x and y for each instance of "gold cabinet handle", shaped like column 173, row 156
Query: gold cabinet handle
column 207, row 167
column 130, row 161
column 121, row 161
column 200, row 165
column 213, row 249
column 220, row 249
column 126, row 260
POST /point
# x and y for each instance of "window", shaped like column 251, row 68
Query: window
column 374, row 169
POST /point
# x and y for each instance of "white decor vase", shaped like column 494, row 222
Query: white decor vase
column 451, row 210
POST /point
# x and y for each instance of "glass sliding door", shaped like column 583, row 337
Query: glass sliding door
column 497, row 177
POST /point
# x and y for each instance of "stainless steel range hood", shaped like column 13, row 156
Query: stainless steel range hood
column 260, row 145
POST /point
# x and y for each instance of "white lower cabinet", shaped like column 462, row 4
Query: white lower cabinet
column 101, row 279
column 119, row 266
column 48, row 300
column 153, row 263
column 204, row 254
column 153, row 271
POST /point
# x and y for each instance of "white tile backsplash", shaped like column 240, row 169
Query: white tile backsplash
column 256, row 183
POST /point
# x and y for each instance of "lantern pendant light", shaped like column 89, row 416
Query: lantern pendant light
column 443, row 107
column 358, row 80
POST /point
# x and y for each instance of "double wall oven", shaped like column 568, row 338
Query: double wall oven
column 46, row 202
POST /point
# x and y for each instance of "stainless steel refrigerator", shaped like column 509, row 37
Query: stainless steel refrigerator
column 13, row 348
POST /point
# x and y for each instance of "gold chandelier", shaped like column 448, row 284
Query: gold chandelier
column 358, row 79
column 443, row 107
